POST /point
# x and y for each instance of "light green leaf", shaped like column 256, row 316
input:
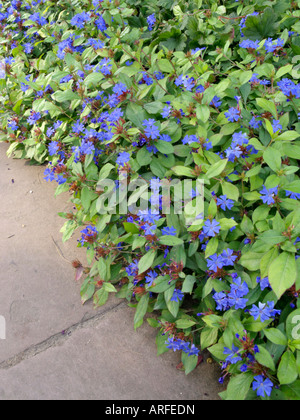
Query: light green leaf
column 282, row 273
column 146, row 261
column 287, row 370
column 217, row 168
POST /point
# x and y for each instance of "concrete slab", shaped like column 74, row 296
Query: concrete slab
column 55, row 348
column 38, row 294
column 107, row 360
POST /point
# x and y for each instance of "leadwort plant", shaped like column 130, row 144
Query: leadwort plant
column 112, row 94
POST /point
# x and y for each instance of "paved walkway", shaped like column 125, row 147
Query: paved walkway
column 56, row 348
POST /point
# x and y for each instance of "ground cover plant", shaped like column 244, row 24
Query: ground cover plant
column 124, row 91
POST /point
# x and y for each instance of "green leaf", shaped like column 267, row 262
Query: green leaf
column 136, row 114
column 131, row 227
column 183, row 171
column 109, row 287
column 211, row 247
column 227, row 223
column 164, row 147
column 288, row 136
column 184, row 323
column 267, row 106
column 146, row 261
column 287, row 370
column 239, row 386
column 170, row 240
column 165, row 66
column 273, row 159
column 262, row 26
column 208, row 337
column 67, row 95
column 141, row 310
column 264, row 358
column 173, row 306
column 189, row 362
column 231, row 191
column 216, row 169
column 188, row 284
column 100, row 297
column 282, row 273
column 87, row 290
column 87, row 196
column 292, row 391
column 267, row 260
column 283, row 70
column 276, row 336
column 154, row 107
column 251, row 260
column 202, row 112
column 143, row 157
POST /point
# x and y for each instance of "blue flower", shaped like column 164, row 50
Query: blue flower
column 53, row 148
column 224, row 202
column 221, row 301
column 106, row 66
column 270, row 46
column 267, row 195
column 150, row 277
column 166, row 111
column 238, row 290
column 216, row 102
column 37, row 18
column 289, row 88
column 263, row 387
column 228, row 257
column 89, row 235
column 151, row 20
column 276, row 126
column 233, row 153
column 264, row 310
column 177, row 295
column 123, row 158
column 13, row 125
column 233, row 354
column 80, row 20
column 215, row 262
column 146, row 79
column 211, row 228
column 119, row 89
column 188, row 139
column 49, row 174
column 169, row 231
column 292, row 195
column 232, row 114
column 33, row 118
column 149, row 229
column 101, row 24
column 264, row 283
column 151, row 130
column 248, row 43
column 254, row 123
column 95, row 43
column 87, row 147
column 28, row 48
column 133, row 269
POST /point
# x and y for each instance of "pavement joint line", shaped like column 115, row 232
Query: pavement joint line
column 56, row 339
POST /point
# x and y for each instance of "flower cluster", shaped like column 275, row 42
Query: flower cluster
column 233, row 299
column 176, row 344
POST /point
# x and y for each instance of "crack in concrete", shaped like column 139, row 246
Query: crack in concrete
column 56, row 339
